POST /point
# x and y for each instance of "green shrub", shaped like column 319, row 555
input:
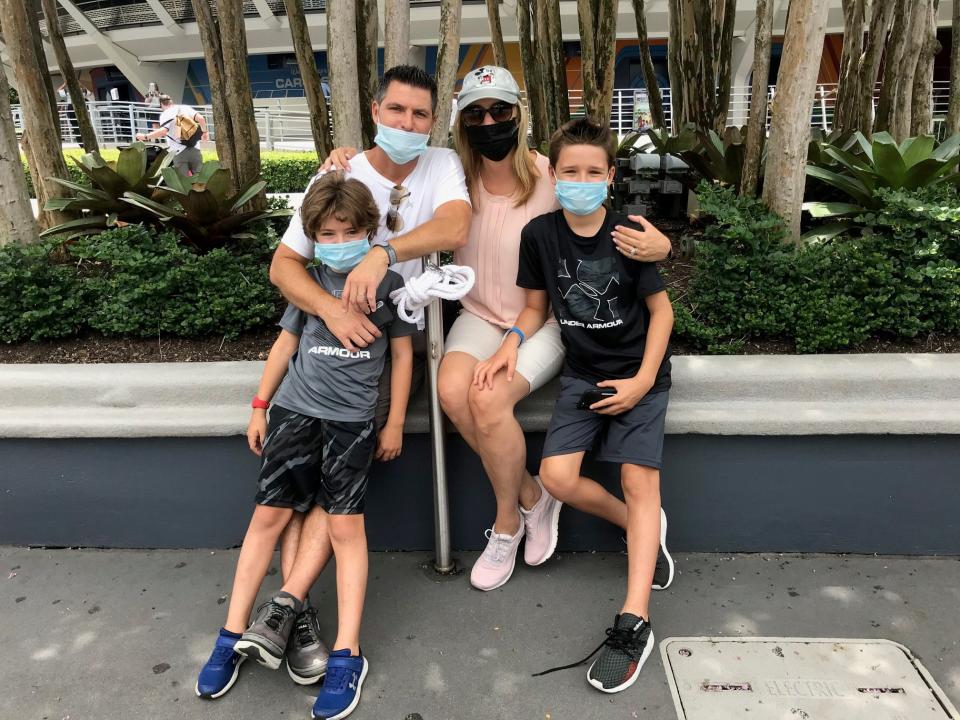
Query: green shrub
column 39, row 298
column 143, row 283
column 898, row 279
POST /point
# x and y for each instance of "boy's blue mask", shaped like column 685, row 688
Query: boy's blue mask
column 581, row 198
column 342, row 257
column 399, row 145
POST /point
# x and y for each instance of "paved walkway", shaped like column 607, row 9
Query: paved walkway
column 111, row 635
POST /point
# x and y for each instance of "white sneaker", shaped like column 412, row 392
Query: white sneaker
column 495, row 566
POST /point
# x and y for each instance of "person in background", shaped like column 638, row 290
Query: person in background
column 186, row 154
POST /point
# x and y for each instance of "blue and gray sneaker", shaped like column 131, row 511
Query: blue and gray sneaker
column 220, row 672
column 341, row 687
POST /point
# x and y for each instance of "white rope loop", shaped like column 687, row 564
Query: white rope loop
column 450, row 282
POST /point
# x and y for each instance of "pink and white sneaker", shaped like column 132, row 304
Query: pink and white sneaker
column 540, row 524
column 495, row 566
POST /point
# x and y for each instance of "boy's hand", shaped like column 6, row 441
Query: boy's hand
column 389, row 442
column 257, row 431
column 505, row 357
column 629, row 393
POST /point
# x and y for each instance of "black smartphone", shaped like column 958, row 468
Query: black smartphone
column 594, row 396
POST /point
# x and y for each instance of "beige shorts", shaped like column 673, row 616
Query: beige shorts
column 538, row 361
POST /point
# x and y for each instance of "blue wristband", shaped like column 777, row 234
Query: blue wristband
column 519, row 332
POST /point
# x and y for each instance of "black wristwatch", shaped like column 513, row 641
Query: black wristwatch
column 391, row 253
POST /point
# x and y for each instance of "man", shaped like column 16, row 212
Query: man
column 186, row 154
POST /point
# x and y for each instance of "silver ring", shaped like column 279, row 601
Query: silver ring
column 633, row 251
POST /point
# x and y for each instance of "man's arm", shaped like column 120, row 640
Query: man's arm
column 202, row 122
column 288, row 271
column 446, row 230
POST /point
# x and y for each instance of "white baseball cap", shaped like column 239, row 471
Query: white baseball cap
column 488, row 81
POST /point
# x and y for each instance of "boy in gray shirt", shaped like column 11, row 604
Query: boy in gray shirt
column 317, row 448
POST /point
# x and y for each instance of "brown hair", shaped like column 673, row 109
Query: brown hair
column 524, row 165
column 347, row 200
column 582, row 131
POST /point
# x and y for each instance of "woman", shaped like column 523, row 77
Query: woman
column 509, row 186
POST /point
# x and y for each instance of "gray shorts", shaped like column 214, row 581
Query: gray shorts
column 189, row 159
column 635, row 437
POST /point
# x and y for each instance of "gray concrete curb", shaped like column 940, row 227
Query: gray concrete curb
column 734, row 395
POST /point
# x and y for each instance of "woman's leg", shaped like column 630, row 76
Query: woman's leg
column 641, row 488
column 264, row 530
column 503, row 449
column 561, row 477
column 453, row 385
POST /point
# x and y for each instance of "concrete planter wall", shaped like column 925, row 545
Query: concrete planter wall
column 838, row 453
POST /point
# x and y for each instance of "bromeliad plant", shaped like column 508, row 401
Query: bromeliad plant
column 714, row 158
column 859, row 168
column 101, row 202
column 203, row 208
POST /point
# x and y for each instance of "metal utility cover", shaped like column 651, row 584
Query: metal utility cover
column 799, row 679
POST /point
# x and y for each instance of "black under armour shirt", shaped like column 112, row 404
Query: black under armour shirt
column 597, row 296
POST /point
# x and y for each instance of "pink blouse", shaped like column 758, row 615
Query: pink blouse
column 493, row 248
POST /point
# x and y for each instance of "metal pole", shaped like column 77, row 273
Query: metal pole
column 443, row 563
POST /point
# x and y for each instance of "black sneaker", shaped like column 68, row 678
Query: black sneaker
column 266, row 639
column 663, row 572
column 628, row 645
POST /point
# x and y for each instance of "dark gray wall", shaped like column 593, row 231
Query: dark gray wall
column 858, row 494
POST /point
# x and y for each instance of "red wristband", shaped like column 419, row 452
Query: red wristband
column 259, row 404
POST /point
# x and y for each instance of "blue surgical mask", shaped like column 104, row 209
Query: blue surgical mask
column 401, row 146
column 342, row 257
column 581, row 198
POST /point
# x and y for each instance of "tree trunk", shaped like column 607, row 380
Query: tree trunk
column 44, row 68
column 496, row 33
column 790, row 130
column 675, row 66
column 222, row 118
column 557, row 62
column 598, row 21
column 532, row 75
column 922, row 121
column 543, row 58
column 649, row 74
column 953, row 116
column 46, row 156
column 88, row 138
column 845, row 115
column 903, row 108
column 869, row 65
column 396, row 33
column 698, row 67
column 895, row 56
column 724, row 64
column 312, row 88
column 342, row 67
column 367, row 37
column 16, row 221
column 448, row 61
column 239, row 95
column 757, row 125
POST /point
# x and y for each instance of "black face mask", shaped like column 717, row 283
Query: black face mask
column 495, row 141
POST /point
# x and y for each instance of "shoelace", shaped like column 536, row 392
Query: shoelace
column 337, row 678
column 278, row 614
column 222, row 654
column 305, row 629
column 622, row 639
column 497, row 548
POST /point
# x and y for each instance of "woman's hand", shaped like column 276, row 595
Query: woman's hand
column 647, row 245
column 257, row 431
column 339, row 159
column 505, row 357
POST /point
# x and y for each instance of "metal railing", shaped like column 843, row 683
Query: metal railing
column 116, row 123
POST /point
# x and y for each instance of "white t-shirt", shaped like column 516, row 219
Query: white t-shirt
column 436, row 179
column 169, row 116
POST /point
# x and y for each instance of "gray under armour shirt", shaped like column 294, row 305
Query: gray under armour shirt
column 325, row 380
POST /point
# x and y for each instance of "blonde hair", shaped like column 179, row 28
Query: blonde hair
column 524, row 165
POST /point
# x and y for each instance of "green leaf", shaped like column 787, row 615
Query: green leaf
column 947, row 149
column 889, row 164
column 84, row 190
column 851, row 186
column 824, row 233
column 916, row 149
column 132, row 164
column 175, row 181
column 86, row 223
column 832, row 209
column 164, row 212
column 250, row 193
column 207, row 171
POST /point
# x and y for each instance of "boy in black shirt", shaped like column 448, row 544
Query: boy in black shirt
column 615, row 320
